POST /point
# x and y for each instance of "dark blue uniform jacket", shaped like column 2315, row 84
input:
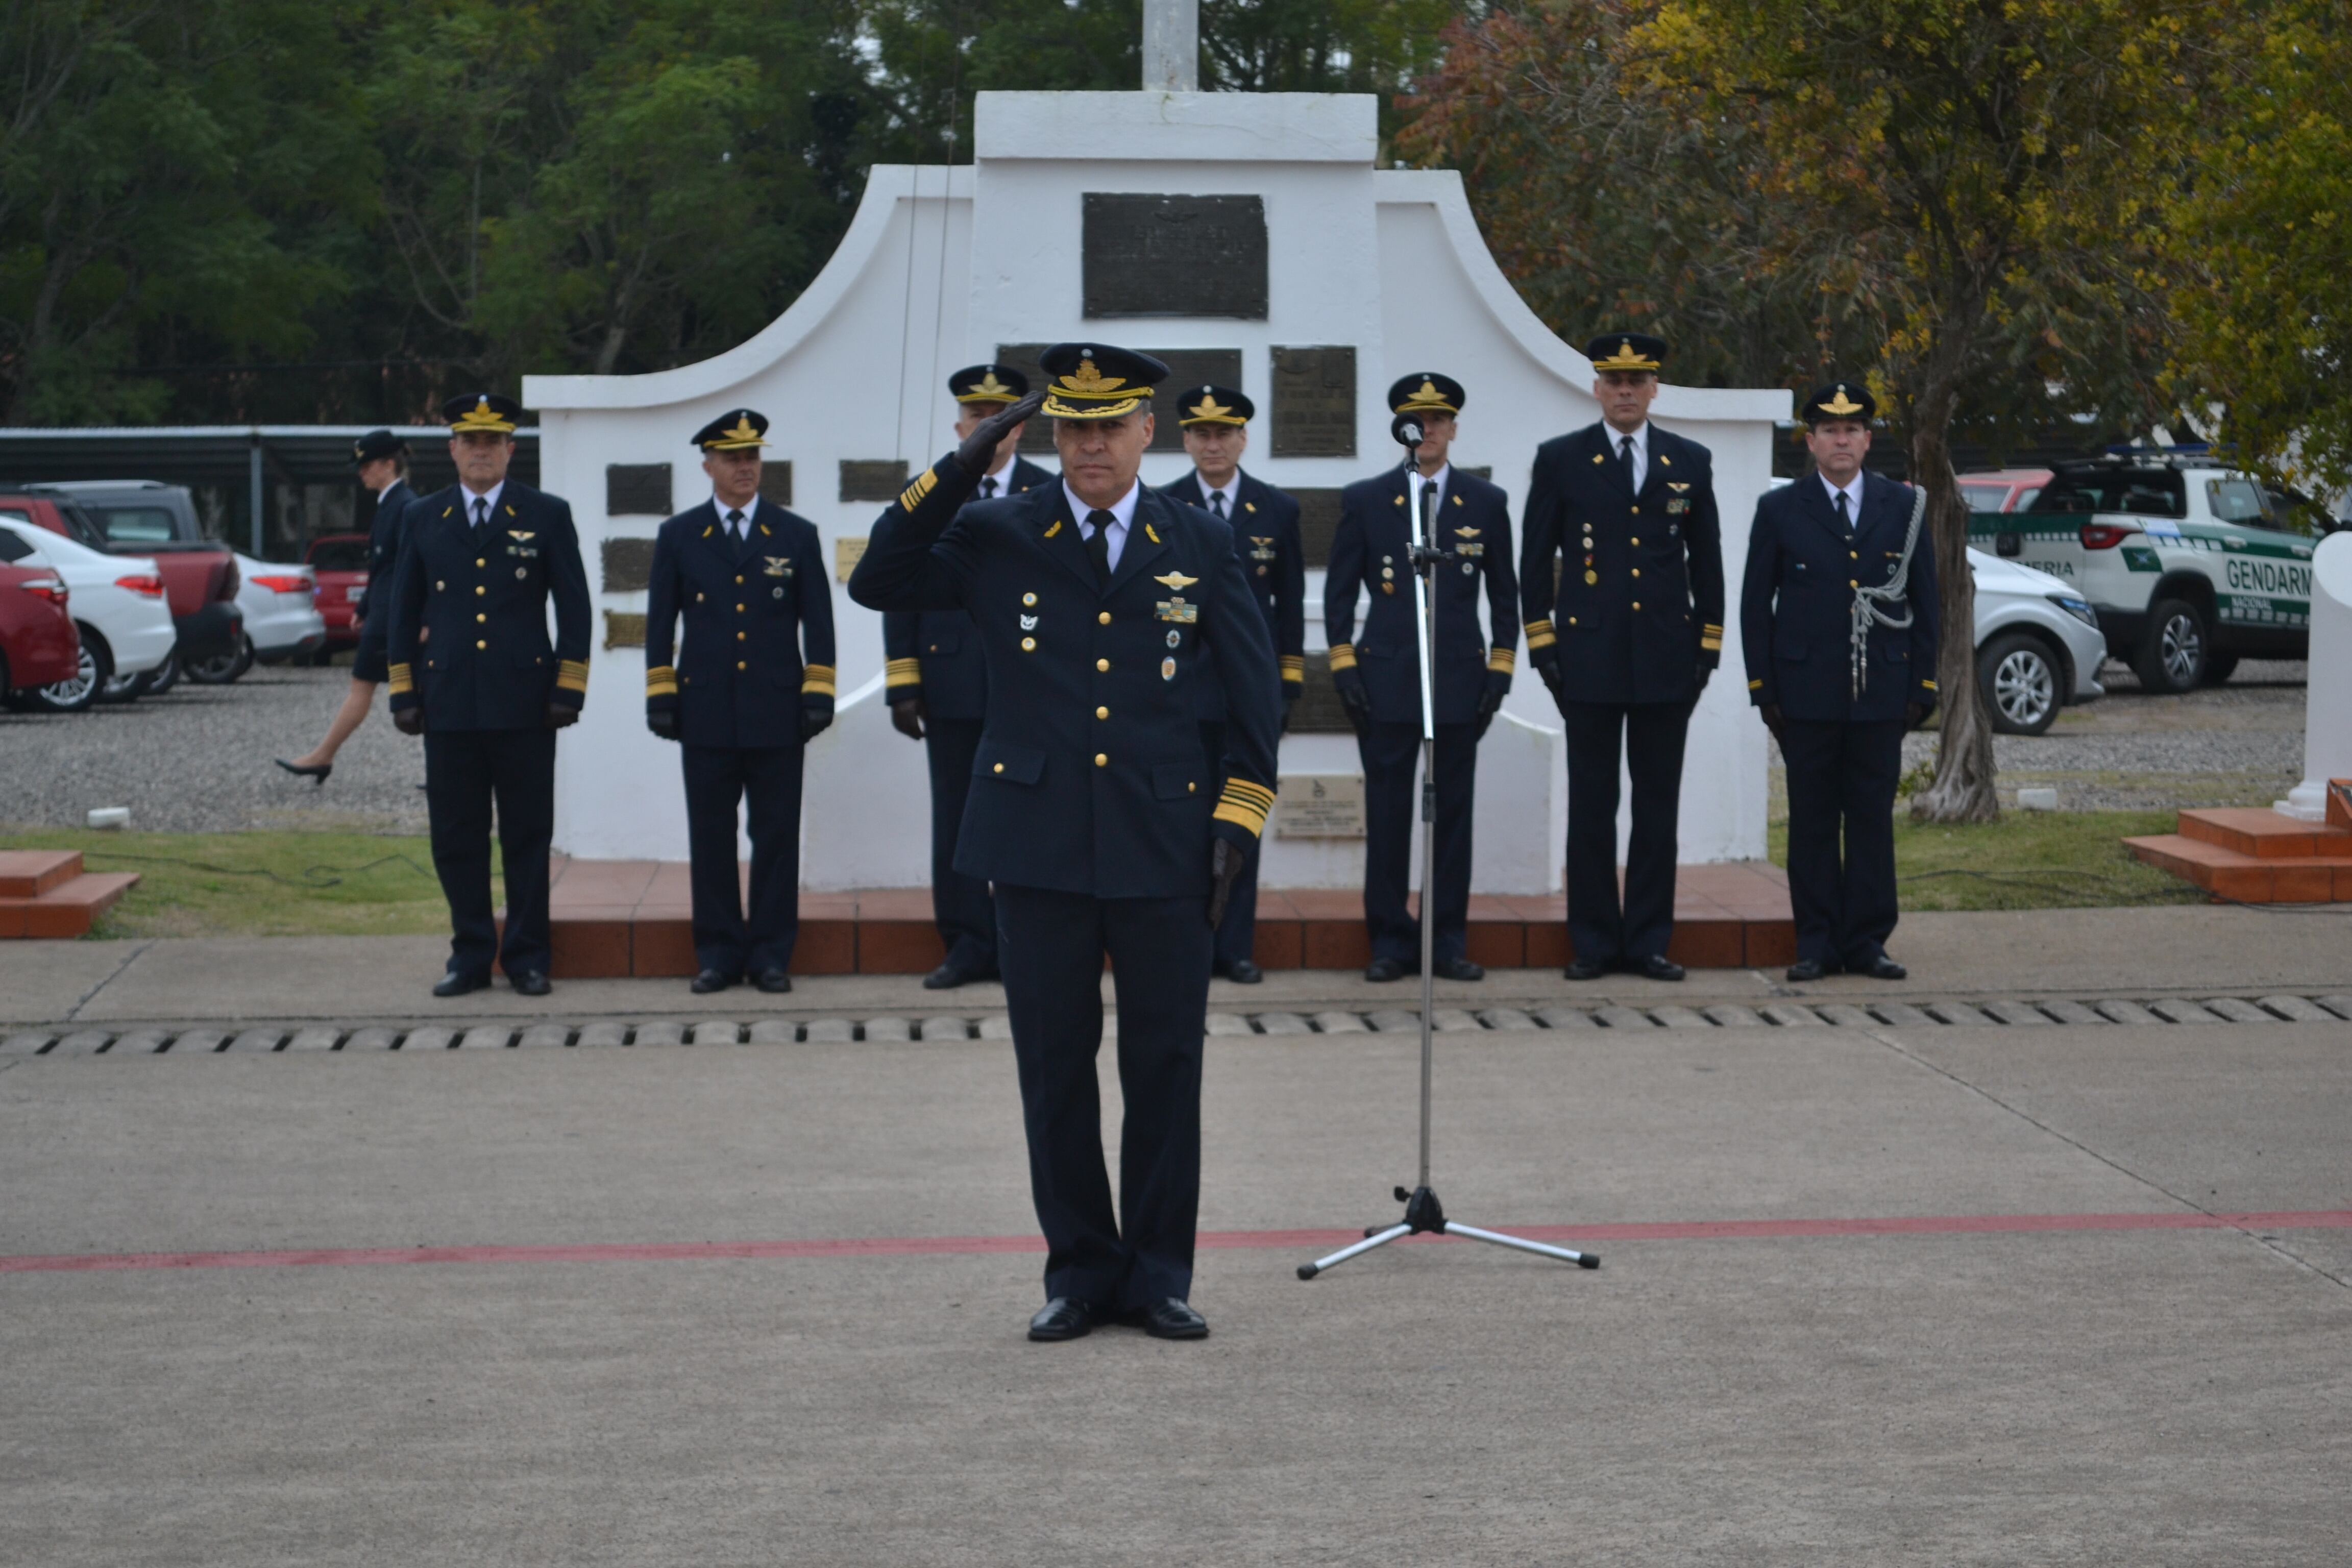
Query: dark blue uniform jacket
column 742, row 678
column 935, row 654
column 489, row 664
column 384, row 546
column 1265, row 534
column 1640, row 597
column 1090, row 777
column 1374, row 550
column 1796, row 621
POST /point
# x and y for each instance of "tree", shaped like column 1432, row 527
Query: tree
column 2259, row 237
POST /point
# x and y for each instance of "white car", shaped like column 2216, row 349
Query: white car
column 118, row 606
column 2038, row 645
column 281, row 620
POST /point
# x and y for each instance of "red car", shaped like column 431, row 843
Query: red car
column 340, row 563
column 38, row 644
column 2004, row 489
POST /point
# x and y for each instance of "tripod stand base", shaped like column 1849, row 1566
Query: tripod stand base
column 1423, row 1212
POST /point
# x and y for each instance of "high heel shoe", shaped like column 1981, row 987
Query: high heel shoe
column 319, row 773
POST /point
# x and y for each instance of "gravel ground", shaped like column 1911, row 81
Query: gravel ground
column 198, row 759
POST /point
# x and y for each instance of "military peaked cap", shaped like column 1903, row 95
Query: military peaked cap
column 471, row 411
column 737, row 430
column 377, row 444
column 1096, row 381
column 1425, row 392
column 1848, row 400
column 1214, row 405
column 988, row 384
column 1626, row 352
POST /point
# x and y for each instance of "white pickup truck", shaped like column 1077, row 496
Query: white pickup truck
column 2181, row 560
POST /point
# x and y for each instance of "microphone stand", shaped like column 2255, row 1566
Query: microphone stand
column 1423, row 1212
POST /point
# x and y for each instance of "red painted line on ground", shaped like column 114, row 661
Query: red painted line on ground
column 1302, row 1240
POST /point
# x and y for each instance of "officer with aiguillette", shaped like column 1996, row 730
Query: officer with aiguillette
column 1636, row 631
column 1378, row 675
column 1265, row 532
column 753, row 688
column 938, row 686
column 472, row 672
column 1837, row 621
column 1102, row 607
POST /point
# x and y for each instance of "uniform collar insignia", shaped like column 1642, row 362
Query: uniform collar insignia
column 1176, row 581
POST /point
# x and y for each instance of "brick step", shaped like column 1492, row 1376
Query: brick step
column 2263, row 834
column 68, row 909
column 29, row 873
column 2250, row 879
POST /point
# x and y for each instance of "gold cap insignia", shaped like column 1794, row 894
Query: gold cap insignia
column 1176, row 581
column 1840, row 403
column 1088, row 382
column 1625, row 358
column 988, row 389
column 1210, row 409
column 482, row 416
column 1426, row 395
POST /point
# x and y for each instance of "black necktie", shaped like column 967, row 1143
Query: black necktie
column 988, row 487
column 1845, row 520
column 735, row 524
column 1625, row 456
column 1098, row 543
column 481, row 518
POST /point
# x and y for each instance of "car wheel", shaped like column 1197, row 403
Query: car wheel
column 164, row 676
column 2220, row 666
column 88, row 680
column 2173, row 659
column 2021, row 682
column 222, row 668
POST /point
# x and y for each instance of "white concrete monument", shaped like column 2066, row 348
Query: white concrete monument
column 1247, row 235
column 2327, row 698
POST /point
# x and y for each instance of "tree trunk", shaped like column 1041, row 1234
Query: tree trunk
column 1963, row 790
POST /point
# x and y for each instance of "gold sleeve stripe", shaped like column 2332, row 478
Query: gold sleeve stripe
column 902, row 672
column 816, row 679
column 403, row 679
column 578, row 667
column 1244, row 804
column 661, row 681
column 572, row 678
column 1293, row 666
column 1343, row 655
column 1712, row 629
column 1712, row 642
column 1541, row 635
column 1503, row 659
column 1754, row 686
column 1928, row 684
column 912, row 496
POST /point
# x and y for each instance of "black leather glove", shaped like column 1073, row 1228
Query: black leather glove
column 814, row 722
column 663, row 721
column 906, row 716
column 1225, row 863
column 1915, row 714
column 1490, row 702
column 1349, row 684
column 1706, row 674
column 979, row 447
column 1770, row 713
column 408, row 721
column 558, row 717
column 1287, row 704
column 1545, row 662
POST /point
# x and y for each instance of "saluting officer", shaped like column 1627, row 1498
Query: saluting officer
column 753, row 687
column 1837, row 621
column 938, row 685
column 472, row 671
column 1266, row 532
column 1379, row 674
column 1635, row 633
column 1102, row 607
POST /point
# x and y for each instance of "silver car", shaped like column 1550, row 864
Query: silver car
column 2038, row 643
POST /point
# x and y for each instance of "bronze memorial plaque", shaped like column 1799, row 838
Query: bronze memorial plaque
column 1186, row 368
column 636, row 489
column 876, row 479
column 1315, row 403
column 628, row 565
column 1174, row 256
column 776, row 481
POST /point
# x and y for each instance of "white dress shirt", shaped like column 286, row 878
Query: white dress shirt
column 1640, row 454
column 749, row 509
column 1122, row 512
column 1231, row 489
column 996, row 482
column 489, row 496
column 1852, row 493
column 1420, row 483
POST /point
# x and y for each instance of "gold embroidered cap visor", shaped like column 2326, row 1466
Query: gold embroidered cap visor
column 738, row 430
column 481, row 411
column 1626, row 352
column 1097, row 382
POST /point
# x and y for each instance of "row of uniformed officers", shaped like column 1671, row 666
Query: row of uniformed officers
column 1101, row 673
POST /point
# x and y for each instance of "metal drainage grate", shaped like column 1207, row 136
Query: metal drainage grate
column 190, row 1039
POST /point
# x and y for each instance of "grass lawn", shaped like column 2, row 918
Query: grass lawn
column 259, row 884
column 2027, row 860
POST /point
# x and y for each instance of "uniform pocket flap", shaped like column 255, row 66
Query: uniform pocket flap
column 1174, row 781
column 1014, row 765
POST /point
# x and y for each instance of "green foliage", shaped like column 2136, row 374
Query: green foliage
column 2027, row 860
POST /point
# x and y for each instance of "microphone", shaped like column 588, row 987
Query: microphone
column 1407, row 430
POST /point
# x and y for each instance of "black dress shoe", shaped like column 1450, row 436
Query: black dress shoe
column 1062, row 1318
column 1585, row 969
column 1174, row 1320
column 1380, row 970
column 1806, row 969
column 1658, row 966
column 711, row 980
column 1457, row 969
column 1881, row 968
column 319, row 773
column 948, row 977
column 773, row 980
column 530, row 982
column 1241, row 971
column 457, row 983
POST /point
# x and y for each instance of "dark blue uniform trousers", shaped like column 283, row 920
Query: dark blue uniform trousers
column 769, row 779
column 1392, row 755
column 961, row 905
column 1650, row 735
column 1841, row 776
column 1051, row 947
column 1237, row 937
column 466, row 771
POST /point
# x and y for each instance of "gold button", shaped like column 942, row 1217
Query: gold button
column 739, row 579
column 1028, row 645
column 478, row 589
column 1571, row 620
column 1637, row 512
column 1102, row 665
column 480, row 561
column 1030, row 599
column 1000, row 767
column 1191, row 789
column 740, row 635
column 1854, row 554
column 1854, row 582
column 738, row 664
column 1637, row 604
column 1102, row 712
column 481, row 645
column 1101, row 760
column 1104, row 618
column 481, row 618
column 1637, row 571
column 739, row 609
column 438, row 585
